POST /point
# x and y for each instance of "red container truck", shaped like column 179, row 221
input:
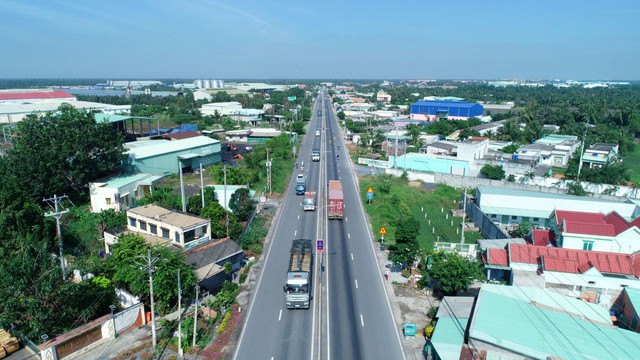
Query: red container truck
column 336, row 200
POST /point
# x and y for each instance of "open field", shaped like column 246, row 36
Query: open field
column 393, row 197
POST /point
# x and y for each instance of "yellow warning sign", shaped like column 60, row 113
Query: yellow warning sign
column 370, row 189
column 382, row 231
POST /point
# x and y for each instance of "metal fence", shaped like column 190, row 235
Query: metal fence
column 488, row 229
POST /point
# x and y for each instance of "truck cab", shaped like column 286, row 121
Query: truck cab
column 300, row 184
column 315, row 155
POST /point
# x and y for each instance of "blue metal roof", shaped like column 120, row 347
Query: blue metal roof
column 459, row 104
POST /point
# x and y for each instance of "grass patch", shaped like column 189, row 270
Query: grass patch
column 632, row 161
column 394, row 199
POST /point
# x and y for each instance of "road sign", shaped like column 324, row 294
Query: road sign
column 319, row 245
column 370, row 190
column 382, row 231
column 369, row 195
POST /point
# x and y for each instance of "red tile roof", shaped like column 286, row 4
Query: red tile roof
column 579, row 216
column 635, row 222
column 576, row 261
column 497, row 257
column 542, row 237
column 619, row 223
column 55, row 94
column 561, row 265
column 589, row 228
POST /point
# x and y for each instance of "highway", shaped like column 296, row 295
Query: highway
column 350, row 316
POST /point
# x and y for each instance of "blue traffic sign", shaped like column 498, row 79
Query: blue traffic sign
column 320, row 245
column 369, row 195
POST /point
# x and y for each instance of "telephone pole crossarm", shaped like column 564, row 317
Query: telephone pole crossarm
column 57, row 210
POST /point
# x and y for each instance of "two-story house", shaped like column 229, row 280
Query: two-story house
column 596, row 231
column 599, row 155
column 165, row 227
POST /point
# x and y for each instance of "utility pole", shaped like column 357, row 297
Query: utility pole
column 202, row 185
column 180, row 353
column 224, row 169
column 584, row 140
column 464, row 214
column 54, row 204
column 268, row 172
column 395, row 158
column 195, row 316
column 184, row 203
column 150, row 267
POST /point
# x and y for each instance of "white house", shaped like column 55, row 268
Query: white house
column 596, row 231
column 168, row 226
column 121, row 191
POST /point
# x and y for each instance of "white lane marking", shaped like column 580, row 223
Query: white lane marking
column 295, row 233
column 280, row 316
column 349, row 236
column 361, row 320
column 345, row 219
column 352, row 256
column 272, row 358
column 298, row 217
column 356, row 283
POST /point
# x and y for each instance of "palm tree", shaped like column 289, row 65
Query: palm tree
column 414, row 131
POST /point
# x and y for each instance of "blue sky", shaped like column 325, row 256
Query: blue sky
column 352, row 39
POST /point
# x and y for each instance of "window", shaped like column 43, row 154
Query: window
column 494, row 216
column 132, row 222
column 165, row 232
column 587, row 245
column 107, row 201
column 514, row 218
column 143, row 225
column 153, row 228
column 536, row 219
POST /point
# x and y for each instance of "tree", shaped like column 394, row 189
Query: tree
column 452, row 273
column 194, row 203
column 163, row 197
column 217, row 214
column 241, row 204
column 124, row 266
column 62, row 152
column 414, row 131
column 493, row 172
column 406, row 248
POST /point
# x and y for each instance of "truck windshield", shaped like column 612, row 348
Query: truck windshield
column 296, row 288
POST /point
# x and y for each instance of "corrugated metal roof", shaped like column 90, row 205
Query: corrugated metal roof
column 541, row 324
column 498, row 257
column 543, row 237
column 588, row 228
column 634, row 297
column 606, row 262
column 160, row 147
column 458, row 104
column 28, row 95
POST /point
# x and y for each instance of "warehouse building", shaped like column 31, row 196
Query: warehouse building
column 163, row 156
column 433, row 110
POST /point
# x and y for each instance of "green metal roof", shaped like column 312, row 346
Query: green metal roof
column 498, row 210
column 118, row 181
column 448, row 337
column 541, row 195
column 541, row 323
column 634, row 297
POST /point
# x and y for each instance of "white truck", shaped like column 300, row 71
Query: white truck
column 299, row 275
column 309, row 202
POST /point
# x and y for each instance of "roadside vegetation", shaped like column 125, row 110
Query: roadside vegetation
column 395, row 202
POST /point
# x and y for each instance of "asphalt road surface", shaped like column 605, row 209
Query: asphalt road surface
column 350, row 315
